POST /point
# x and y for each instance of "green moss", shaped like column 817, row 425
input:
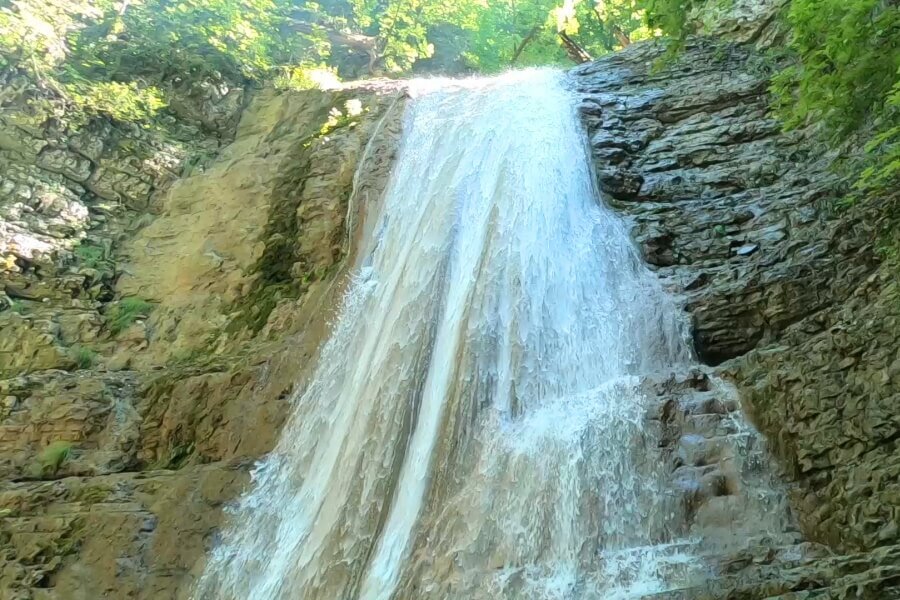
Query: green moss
column 92, row 255
column 275, row 269
column 84, row 357
column 51, row 458
column 70, row 542
column 191, row 357
column 122, row 101
column 125, row 312
column 179, row 456
column 91, row 495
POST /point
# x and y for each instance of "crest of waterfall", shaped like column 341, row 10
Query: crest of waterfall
column 476, row 427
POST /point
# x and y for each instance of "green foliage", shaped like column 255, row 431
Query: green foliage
column 125, row 312
column 91, row 255
column 670, row 16
column 846, row 79
column 527, row 32
column 884, row 148
column 849, row 54
column 843, row 77
column 122, row 58
column 122, row 101
column 84, row 357
column 197, row 38
column 51, row 459
column 306, row 77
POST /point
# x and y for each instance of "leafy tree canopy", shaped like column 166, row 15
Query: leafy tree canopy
column 123, row 57
column 846, row 78
column 94, row 52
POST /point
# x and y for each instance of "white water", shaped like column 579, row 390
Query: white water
column 475, row 427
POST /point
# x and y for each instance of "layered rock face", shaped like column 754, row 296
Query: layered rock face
column 163, row 293
column 787, row 298
column 142, row 379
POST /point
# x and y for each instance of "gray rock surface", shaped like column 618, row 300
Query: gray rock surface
column 787, row 295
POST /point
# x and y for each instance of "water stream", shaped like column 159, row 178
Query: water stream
column 477, row 425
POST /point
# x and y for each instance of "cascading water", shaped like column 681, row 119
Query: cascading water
column 476, row 427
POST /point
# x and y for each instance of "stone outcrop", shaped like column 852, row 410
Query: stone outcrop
column 787, row 296
column 743, row 21
column 164, row 290
column 139, row 390
column 71, row 187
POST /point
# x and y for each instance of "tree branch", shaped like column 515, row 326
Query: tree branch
column 576, row 53
column 525, row 41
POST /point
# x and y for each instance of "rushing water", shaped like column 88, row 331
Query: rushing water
column 475, row 427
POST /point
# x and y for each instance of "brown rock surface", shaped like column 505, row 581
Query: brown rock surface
column 114, row 475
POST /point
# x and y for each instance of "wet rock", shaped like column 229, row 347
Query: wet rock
column 113, row 475
column 790, row 299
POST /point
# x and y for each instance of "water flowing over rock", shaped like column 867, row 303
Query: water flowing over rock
column 580, row 469
column 736, row 216
column 489, row 417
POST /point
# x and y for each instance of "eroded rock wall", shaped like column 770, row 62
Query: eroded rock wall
column 71, row 187
column 788, row 297
column 115, row 465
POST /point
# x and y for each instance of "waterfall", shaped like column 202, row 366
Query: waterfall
column 477, row 425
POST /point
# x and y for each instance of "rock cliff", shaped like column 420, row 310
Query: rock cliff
column 788, row 297
column 163, row 292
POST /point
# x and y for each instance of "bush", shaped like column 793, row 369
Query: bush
column 92, row 255
column 121, row 101
column 84, row 357
column 51, row 458
column 126, row 312
column 844, row 76
column 845, row 79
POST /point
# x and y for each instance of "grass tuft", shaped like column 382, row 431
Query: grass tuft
column 51, row 458
column 126, row 312
column 84, row 357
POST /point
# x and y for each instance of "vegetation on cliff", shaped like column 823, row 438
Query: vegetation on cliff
column 842, row 77
column 122, row 58
column 847, row 78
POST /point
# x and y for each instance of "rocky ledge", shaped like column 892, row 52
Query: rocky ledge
column 787, row 296
column 149, row 338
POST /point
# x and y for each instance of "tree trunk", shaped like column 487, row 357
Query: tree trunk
column 621, row 36
column 617, row 32
column 525, row 41
column 576, row 53
column 355, row 41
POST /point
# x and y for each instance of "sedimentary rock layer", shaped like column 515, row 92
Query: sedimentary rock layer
column 786, row 293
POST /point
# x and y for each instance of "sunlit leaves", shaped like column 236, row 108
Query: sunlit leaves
column 847, row 78
column 125, row 102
